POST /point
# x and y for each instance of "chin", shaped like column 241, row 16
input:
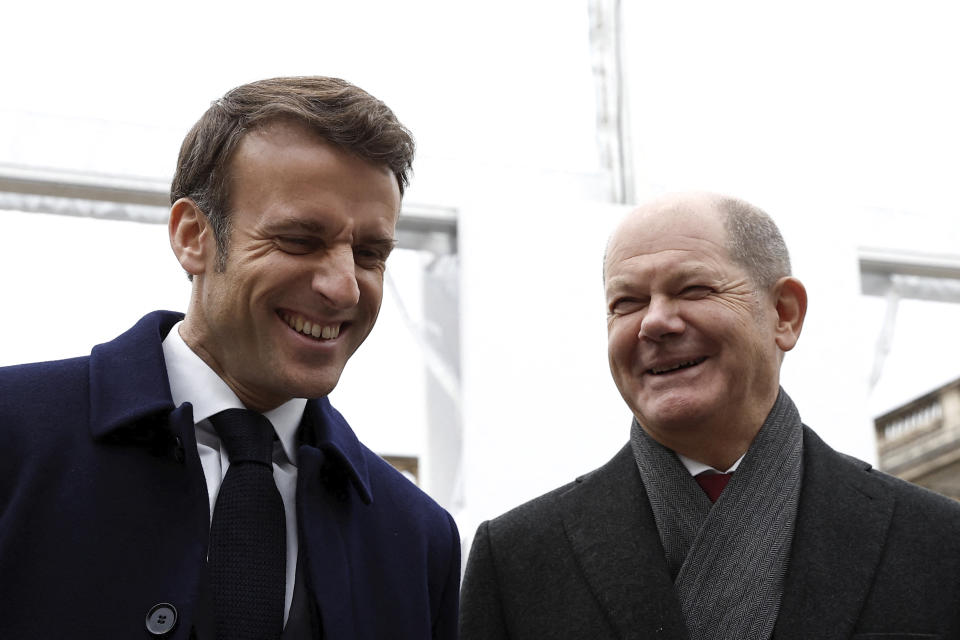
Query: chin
column 319, row 390
column 316, row 385
column 675, row 411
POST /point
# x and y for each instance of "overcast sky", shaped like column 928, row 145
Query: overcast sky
column 853, row 100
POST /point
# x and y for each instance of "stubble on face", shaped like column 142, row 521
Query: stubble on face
column 311, row 227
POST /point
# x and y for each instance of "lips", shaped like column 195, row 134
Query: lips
column 677, row 365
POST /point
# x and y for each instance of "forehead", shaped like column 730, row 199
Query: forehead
column 283, row 127
column 676, row 240
column 284, row 139
column 286, row 161
column 291, row 138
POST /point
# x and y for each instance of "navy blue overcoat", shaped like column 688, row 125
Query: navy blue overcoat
column 104, row 511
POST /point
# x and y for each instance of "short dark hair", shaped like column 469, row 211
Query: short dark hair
column 754, row 241
column 342, row 114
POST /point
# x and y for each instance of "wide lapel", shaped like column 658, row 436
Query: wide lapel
column 332, row 488
column 841, row 529
column 149, row 480
column 128, row 377
column 612, row 532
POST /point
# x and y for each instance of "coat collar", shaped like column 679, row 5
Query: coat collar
column 842, row 523
column 611, row 529
column 324, row 428
column 128, row 379
column 129, row 388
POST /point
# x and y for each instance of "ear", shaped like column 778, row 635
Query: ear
column 191, row 236
column 790, row 298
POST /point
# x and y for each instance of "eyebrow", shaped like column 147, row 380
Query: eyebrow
column 620, row 282
column 298, row 224
column 316, row 228
column 617, row 284
column 386, row 245
column 690, row 271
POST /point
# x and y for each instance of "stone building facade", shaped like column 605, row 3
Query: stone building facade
column 920, row 441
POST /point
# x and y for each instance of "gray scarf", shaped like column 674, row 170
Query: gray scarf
column 729, row 559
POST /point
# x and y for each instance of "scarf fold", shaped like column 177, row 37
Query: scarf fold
column 729, row 559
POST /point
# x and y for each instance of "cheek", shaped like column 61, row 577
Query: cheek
column 624, row 331
column 621, row 346
column 371, row 290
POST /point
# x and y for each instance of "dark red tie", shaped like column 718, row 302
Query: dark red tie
column 713, row 483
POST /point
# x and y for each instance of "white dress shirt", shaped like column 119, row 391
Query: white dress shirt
column 193, row 381
column 696, row 468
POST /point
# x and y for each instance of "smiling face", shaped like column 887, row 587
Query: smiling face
column 694, row 348
column 311, row 227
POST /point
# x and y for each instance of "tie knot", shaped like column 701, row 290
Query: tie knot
column 246, row 435
column 713, row 484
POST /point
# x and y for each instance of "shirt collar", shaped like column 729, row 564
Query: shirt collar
column 696, row 468
column 192, row 380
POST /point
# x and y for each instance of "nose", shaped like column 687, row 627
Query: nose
column 661, row 320
column 335, row 278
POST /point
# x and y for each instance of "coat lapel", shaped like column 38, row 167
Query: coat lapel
column 332, row 485
column 131, row 409
column 323, row 520
column 842, row 524
column 613, row 534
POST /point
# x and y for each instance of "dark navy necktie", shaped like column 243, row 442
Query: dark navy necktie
column 247, row 554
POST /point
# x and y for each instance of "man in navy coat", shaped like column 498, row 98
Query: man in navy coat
column 284, row 207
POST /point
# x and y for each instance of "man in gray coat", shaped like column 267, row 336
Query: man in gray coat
column 724, row 516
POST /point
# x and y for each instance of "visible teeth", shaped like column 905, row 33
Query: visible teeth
column 313, row 329
column 681, row 365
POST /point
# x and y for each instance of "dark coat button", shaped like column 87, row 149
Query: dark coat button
column 161, row 619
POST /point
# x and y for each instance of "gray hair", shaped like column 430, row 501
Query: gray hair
column 754, row 241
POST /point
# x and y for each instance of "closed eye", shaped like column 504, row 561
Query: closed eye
column 622, row 306
column 297, row 244
column 695, row 292
column 372, row 257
